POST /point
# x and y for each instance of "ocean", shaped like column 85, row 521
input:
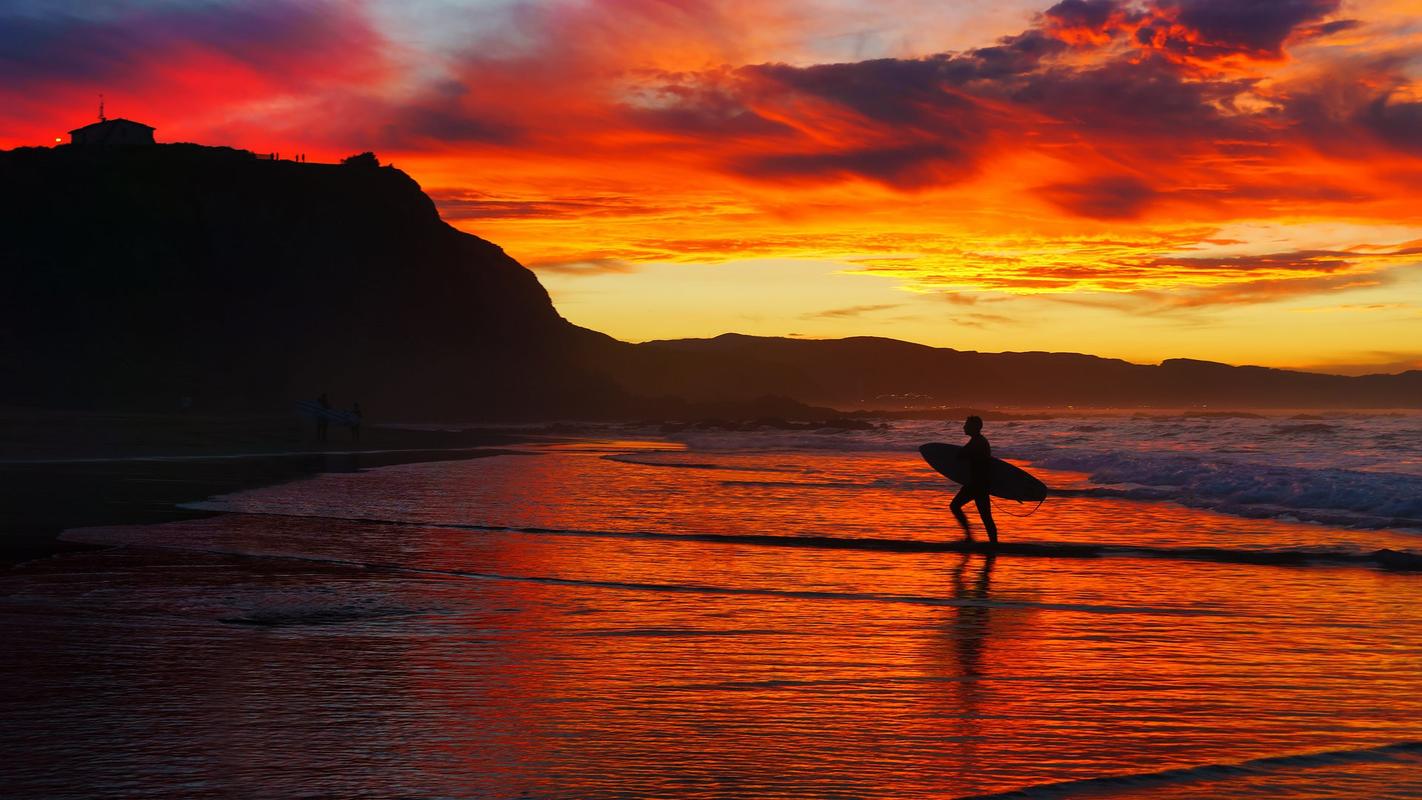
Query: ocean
column 1205, row 606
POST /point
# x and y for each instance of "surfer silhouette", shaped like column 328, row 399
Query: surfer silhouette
column 978, row 455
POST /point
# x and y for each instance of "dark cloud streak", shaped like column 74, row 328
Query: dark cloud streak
column 850, row 311
column 285, row 39
column 1107, row 197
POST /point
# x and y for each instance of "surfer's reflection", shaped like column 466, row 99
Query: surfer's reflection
column 970, row 621
column 967, row 638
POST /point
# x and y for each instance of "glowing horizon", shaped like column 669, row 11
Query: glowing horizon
column 1141, row 180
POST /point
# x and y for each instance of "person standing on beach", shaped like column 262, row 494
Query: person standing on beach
column 978, row 455
column 323, row 421
column 356, row 416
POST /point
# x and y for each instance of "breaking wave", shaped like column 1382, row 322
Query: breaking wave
column 1341, row 497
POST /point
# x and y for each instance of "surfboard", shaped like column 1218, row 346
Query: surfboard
column 315, row 410
column 1007, row 481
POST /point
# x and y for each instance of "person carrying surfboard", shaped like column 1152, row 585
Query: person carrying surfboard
column 977, row 454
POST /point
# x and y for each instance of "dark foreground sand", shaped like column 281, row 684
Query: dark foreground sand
column 61, row 470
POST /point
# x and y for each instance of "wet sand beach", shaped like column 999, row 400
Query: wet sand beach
column 63, row 470
column 562, row 623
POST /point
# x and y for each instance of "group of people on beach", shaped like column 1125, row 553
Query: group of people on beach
column 352, row 418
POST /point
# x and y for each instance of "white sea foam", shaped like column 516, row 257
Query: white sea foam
column 1333, row 496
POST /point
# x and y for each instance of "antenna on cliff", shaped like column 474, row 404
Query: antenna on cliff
column 101, row 108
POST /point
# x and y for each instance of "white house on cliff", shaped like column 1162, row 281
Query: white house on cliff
column 112, row 133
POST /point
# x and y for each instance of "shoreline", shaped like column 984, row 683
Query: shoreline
column 48, row 493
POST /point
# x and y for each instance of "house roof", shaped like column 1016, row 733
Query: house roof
column 113, row 121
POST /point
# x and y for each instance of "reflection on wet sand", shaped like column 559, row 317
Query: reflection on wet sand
column 967, row 636
column 297, row 646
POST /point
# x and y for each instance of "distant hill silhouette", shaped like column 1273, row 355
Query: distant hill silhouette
column 137, row 277
column 853, row 371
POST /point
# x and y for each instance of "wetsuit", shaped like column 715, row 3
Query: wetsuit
column 978, row 453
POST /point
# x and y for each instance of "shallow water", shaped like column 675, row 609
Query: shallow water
column 573, row 623
column 1348, row 469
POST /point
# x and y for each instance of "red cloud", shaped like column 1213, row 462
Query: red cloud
column 1194, row 30
column 174, row 65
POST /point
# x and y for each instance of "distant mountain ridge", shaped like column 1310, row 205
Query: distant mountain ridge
column 172, row 276
column 854, row 371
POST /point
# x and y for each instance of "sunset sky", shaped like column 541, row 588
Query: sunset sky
column 1221, row 179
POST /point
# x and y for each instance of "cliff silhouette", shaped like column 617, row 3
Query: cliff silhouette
column 136, row 277
column 161, row 276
